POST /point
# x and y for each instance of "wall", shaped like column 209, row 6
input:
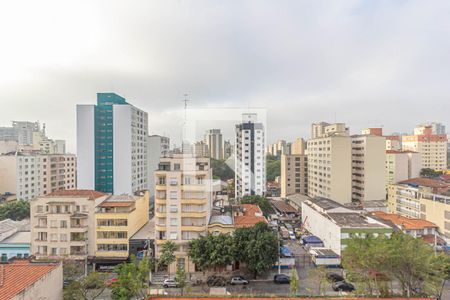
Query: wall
column 85, row 147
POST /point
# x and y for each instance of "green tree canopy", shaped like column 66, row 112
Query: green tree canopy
column 212, row 251
column 167, row 256
column 15, row 210
column 86, row 288
column 221, row 170
column 132, row 279
column 273, row 168
column 430, row 173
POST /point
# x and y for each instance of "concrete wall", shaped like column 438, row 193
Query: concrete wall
column 86, row 147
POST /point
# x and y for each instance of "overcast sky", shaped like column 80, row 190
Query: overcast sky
column 366, row 63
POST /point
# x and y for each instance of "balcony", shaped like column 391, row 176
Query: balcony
column 160, row 214
column 193, row 201
column 193, row 214
column 193, row 187
column 195, row 228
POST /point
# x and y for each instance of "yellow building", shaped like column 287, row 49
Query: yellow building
column 183, row 194
column 294, row 174
column 221, row 224
column 117, row 219
column 423, row 198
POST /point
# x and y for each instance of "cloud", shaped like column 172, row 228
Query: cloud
column 366, row 63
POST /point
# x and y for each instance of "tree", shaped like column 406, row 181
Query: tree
column 87, row 288
column 15, row 210
column 257, row 247
column 132, row 279
column 212, row 251
column 294, row 282
column 273, row 168
column 410, row 261
column 430, row 173
column 262, row 202
column 221, row 170
column 167, row 256
column 180, row 278
column 72, row 270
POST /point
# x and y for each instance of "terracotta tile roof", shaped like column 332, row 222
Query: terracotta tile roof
column 248, row 221
column 430, row 239
column 403, row 222
column 283, row 207
column 428, row 182
column 90, row 194
column 16, row 276
column 115, row 204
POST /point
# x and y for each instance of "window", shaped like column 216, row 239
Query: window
column 63, row 224
column 63, row 237
column 173, row 209
column 173, row 195
column 173, row 236
column 173, row 221
column 53, row 224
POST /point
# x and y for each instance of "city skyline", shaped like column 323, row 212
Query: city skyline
column 363, row 63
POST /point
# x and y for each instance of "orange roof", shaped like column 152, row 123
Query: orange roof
column 91, row 194
column 251, row 209
column 403, row 222
column 115, row 204
column 428, row 182
column 248, row 221
column 17, row 275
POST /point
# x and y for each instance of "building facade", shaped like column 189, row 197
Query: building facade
column 298, row 146
column 183, row 197
column 250, row 158
column 32, row 175
column 330, row 166
column 213, row 139
column 432, row 147
column 368, row 168
column 402, row 165
column 294, row 174
column 157, row 147
column 112, row 146
column 63, row 224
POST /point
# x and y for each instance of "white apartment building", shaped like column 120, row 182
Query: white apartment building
column 323, row 129
column 368, row 168
column 250, row 158
column 432, row 147
column 277, row 149
column 29, row 176
column 183, row 197
column 112, row 146
column 402, row 165
column 213, row 139
column 157, row 147
column 330, row 163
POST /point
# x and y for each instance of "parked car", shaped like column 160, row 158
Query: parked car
column 343, row 286
column 281, row 278
column 334, row 277
column 292, row 236
column 238, row 280
column 110, row 282
column 169, row 283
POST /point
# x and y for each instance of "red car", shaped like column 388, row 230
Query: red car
column 110, row 282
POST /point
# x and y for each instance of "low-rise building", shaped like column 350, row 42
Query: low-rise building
column 14, row 239
column 335, row 224
column 27, row 280
column 117, row 219
column 247, row 215
column 63, row 224
column 221, row 223
column 414, row 227
column 424, row 198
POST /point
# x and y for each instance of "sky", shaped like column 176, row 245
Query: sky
column 365, row 63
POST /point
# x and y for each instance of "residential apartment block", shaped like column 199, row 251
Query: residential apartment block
column 294, row 174
column 330, row 163
column 213, row 139
column 393, row 142
column 298, row 146
column 183, row 198
column 117, row 219
column 402, row 165
column 368, row 168
column 432, row 147
column 63, row 224
column 32, row 175
column 423, row 198
column 112, row 146
column 250, row 157
column 157, row 147
column 277, row 149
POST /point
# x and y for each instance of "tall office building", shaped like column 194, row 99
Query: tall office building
column 213, row 139
column 183, row 198
column 432, row 147
column 157, row 147
column 112, row 146
column 250, row 159
column 330, row 162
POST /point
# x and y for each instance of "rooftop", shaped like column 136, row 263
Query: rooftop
column 90, row 194
column 355, row 220
column 399, row 151
column 283, row 207
column 403, row 222
column 18, row 275
column 428, row 182
column 325, row 203
column 147, row 232
column 221, row 219
column 20, row 237
column 251, row 215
